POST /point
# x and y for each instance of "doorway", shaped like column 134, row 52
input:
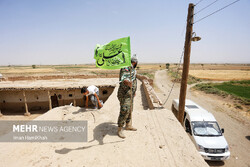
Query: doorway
column 54, row 101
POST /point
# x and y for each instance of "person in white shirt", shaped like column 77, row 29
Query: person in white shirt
column 93, row 92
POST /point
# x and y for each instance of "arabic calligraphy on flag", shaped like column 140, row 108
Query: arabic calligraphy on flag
column 114, row 55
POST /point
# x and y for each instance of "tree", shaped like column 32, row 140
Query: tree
column 202, row 65
column 33, row 66
column 167, row 66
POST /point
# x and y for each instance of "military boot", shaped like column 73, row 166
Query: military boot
column 130, row 127
column 120, row 134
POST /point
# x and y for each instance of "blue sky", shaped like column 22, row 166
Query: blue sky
column 66, row 32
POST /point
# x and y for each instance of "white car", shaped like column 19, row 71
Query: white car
column 204, row 131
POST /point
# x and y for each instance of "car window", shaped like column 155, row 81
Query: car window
column 187, row 125
column 204, row 128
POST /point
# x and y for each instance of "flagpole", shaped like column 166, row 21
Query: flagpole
column 131, row 97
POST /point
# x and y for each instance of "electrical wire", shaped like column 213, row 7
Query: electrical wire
column 183, row 30
column 198, row 2
column 206, row 7
column 177, row 72
column 216, row 11
column 184, row 47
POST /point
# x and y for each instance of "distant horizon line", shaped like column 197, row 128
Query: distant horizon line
column 94, row 64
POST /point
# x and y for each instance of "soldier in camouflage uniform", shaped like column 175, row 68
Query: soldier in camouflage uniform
column 124, row 96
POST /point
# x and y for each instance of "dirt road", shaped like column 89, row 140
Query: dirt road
column 237, row 128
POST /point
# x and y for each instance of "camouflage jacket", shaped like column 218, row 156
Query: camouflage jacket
column 125, row 75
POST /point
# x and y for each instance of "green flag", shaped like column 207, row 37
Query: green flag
column 114, row 55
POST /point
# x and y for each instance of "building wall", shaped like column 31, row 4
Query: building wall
column 13, row 100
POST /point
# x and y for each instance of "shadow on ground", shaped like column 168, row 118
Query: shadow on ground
column 103, row 129
column 21, row 113
column 143, row 99
column 99, row 132
column 215, row 163
column 81, row 110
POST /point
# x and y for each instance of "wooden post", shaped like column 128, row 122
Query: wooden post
column 74, row 98
column 26, row 105
column 50, row 103
column 1, row 113
column 185, row 70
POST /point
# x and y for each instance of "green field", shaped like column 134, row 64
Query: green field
column 240, row 90
column 237, row 88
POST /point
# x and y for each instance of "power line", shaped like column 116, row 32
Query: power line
column 183, row 30
column 206, row 7
column 216, row 11
column 177, row 72
column 198, row 2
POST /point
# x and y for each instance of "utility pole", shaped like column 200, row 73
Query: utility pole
column 185, row 70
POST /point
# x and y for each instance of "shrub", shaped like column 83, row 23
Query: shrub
column 167, row 66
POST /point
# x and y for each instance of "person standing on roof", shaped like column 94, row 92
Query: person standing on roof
column 93, row 92
column 124, row 96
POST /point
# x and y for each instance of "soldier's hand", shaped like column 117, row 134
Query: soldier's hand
column 128, row 83
column 100, row 105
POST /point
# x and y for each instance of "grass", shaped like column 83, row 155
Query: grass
column 221, row 75
column 69, row 67
column 239, row 90
column 149, row 75
column 177, row 77
column 93, row 72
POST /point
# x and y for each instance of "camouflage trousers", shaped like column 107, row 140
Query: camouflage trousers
column 125, row 111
